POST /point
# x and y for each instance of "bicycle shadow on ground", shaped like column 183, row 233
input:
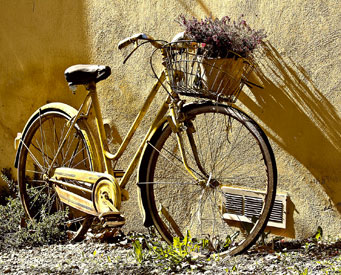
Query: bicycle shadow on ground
column 299, row 118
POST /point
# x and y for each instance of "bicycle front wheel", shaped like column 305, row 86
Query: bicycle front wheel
column 39, row 147
column 231, row 158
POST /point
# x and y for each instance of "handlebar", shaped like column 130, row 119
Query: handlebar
column 158, row 44
column 139, row 36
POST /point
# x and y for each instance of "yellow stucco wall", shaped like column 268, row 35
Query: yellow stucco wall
column 38, row 40
column 299, row 68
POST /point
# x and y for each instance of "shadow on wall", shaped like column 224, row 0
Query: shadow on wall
column 298, row 118
column 38, row 41
column 190, row 11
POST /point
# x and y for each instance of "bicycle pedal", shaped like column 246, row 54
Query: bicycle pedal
column 108, row 214
column 112, row 219
column 112, row 224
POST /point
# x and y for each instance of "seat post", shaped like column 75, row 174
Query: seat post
column 91, row 87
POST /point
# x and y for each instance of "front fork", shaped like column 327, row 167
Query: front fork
column 179, row 125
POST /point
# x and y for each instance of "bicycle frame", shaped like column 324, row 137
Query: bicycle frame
column 156, row 122
column 79, row 172
column 167, row 107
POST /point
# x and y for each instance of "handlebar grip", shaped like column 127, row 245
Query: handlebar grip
column 129, row 40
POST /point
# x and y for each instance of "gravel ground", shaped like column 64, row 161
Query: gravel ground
column 89, row 257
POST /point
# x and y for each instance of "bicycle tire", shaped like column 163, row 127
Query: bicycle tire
column 239, row 156
column 39, row 146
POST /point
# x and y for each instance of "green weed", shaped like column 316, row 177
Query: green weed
column 17, row 231
column 183, row 254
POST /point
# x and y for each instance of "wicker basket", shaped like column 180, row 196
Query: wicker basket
column 192, row 72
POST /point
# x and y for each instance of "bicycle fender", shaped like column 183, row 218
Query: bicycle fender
column 141, row 190
column 67, row 109
column 195, row 104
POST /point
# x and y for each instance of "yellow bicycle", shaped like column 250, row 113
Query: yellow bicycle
column 204, row 166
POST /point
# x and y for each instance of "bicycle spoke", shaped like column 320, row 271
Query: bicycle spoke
column 40, row 150
column 178, row 159
column 84, row 159
column 34, row 158
column 67, row 146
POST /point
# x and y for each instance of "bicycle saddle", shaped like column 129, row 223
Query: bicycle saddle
column 84, row 74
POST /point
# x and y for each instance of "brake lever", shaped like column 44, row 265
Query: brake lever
column 124, row 43
column 136, row 47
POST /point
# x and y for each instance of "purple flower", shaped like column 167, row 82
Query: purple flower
column 223, row 35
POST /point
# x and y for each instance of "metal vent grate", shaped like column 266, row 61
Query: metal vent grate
column 245, row 205
column 234, row 203
column 277, row 212
column 252, row 207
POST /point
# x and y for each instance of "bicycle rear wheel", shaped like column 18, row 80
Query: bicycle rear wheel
column 232, row 153
column 39, row 148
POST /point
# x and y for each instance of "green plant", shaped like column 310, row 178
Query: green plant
column 138, row 251
column 12, row 187
column 223, row 35
column 182, row 254
column 301, row 271
column 11, row 216
column 179, row 251
column 232, row 270
column 318, row 235
column 17, row 231
column 49, row 230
